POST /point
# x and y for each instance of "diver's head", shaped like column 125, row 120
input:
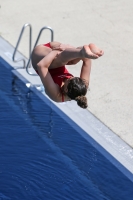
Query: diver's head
column 76, row 89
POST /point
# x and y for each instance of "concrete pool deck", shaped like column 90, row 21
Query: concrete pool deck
column 106, row 23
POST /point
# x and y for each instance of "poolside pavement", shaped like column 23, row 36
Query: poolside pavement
column 106, row 23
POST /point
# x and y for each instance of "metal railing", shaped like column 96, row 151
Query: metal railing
column 38, row 37
column 30, row 45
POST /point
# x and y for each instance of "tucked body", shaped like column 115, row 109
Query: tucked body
column 49, row 62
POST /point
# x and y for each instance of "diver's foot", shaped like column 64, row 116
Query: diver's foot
column 87, row 53
column 94, row 49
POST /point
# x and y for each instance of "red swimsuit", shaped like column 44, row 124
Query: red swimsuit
column 59, row 74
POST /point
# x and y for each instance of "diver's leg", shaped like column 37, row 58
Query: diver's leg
column 69, row 55
column 72, row 55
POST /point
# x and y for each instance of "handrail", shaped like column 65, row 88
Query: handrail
column 52, row 38
column 30, row 43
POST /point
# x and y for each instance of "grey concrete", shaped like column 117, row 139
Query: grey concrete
column 107, row 23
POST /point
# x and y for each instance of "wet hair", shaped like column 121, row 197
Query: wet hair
column 77, row 90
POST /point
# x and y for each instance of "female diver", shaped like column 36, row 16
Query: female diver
column 49, row 62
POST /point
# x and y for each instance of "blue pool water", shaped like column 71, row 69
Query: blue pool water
column 43, row 157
